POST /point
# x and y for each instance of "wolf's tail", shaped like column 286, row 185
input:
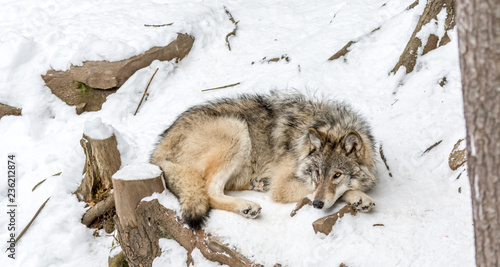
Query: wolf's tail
column 188, row 186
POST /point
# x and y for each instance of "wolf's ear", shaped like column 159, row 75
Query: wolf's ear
column 315, row 138
column 352, row 142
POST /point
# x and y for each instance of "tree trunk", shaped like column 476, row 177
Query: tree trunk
column 479, row 41
column 128, row 192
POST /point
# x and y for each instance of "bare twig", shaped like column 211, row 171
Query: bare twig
column 384, row 160
column 234, row 30
column 41, row 182
column 344, row 50
column 29, row 224
column 145, row 91
column 431, row 147
column 220, row 87
column 158, row 25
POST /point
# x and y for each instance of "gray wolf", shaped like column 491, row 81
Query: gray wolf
column 286, row 144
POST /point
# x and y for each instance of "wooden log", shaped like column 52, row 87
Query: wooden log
column 102, row 161
column 140, row 244
column 98, row 209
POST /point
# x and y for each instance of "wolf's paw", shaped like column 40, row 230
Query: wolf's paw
column 364, row 204
column 260, row 184
column 252, row 210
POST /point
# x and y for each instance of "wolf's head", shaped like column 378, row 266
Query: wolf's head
column 334, row 164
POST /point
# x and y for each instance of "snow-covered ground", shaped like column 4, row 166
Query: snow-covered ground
column 427, row 221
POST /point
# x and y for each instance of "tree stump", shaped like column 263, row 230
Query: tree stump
column 102, row 161
column 131, row 184
column 141, row 224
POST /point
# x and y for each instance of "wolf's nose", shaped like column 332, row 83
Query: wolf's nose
column 318, row 204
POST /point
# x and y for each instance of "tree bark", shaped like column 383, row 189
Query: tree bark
column 102, row 161
column 479, row 41
column 155, row 222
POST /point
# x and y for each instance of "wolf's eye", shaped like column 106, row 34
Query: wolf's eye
column 337, row 175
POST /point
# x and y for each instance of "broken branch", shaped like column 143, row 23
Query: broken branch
column 220, row 87
column 145, row 92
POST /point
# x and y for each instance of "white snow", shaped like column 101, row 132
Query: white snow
column 138, row 171
column 427, row 222
column 95, row 129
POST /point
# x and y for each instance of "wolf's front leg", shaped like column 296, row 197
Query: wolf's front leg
column 361, row 201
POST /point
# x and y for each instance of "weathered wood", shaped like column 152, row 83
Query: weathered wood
column 479, row 42
column 300, row 204
column 128, row 193
column 108, row 75
column 98, row 209
column 325, row 224
column 6, row 110
column 457, row 156
column 140, row 244
column 102, row 161
column 408, row 58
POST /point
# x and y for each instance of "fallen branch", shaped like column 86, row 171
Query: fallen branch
column 41, row 182
column 31, row 221
column 220, row 87
column 145, row 92
column 431, row 147
column 344, row 50
column 381, row 152
column 98, row 209
column 325, row 224
column 234, row 30
column 160, row 25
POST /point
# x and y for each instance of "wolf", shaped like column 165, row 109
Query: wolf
column 288, row 144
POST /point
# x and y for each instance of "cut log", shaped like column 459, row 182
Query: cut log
column 131, row 184
column 140, row 244
column 102, row 161
column 325, row 224
column 98, row 209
